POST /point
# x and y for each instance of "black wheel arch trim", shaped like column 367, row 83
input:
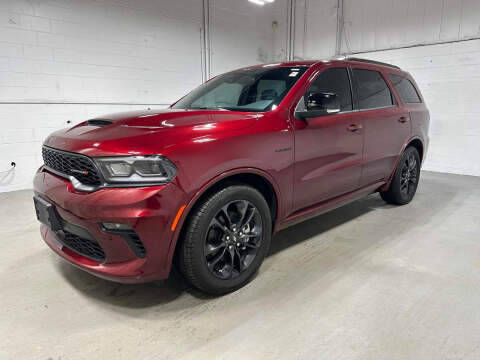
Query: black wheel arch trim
column 397, row 162
column 210, row 185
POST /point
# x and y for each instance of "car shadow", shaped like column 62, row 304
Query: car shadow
column 167, row 292
column 325, row 222
column 123, row 295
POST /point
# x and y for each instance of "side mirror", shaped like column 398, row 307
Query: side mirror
column 319, row 104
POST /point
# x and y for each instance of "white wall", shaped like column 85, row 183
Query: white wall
column 73, row 59
column 383, row 24
column 89, row 51
column 243, row 33
column 449, row 78
column 70, row 60
column 25, row 126
column 315, row 29
column 448, row 74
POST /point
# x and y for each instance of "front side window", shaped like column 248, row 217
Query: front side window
column 405, row 88
column 372, row 90
column 332, row 81
column 244, row 90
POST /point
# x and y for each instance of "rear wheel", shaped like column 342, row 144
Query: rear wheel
column 405, row 180
column 226, row 240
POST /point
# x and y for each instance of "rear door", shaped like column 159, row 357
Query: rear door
column 386, row 123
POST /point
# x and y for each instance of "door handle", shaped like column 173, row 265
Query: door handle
column 403, row 119
column 354, row 127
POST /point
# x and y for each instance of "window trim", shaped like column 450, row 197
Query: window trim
column 411, row 83
column 315, row 77
column 304, row 68
column 354, row 85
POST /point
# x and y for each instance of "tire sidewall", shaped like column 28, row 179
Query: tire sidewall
column 204, row 278
column 401, row 197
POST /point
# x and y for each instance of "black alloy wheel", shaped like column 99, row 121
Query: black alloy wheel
column 405, row 179
column 233, row 239
column 408, row 175
column 225, row 239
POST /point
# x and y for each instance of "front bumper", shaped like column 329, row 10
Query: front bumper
column 149, row 211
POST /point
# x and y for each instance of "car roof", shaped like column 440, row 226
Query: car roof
column 340, row 60
column 302, row 63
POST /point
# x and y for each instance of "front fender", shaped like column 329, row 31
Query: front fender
column 208, row 185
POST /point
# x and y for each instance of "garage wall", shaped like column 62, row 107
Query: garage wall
column 89, row 51
column 449, row 78
column 243, row 33
column 315, row 29
column 65, row 61
column 384, row 24
column 448, row 73
column 69, row 60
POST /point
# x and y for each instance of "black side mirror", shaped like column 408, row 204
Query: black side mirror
column 319, row 104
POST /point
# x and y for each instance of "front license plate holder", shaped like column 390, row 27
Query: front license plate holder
column 47, row 214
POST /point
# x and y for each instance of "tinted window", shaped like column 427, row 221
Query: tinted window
column 334, row 81
column 372, row 89
column 405, row 88
column 257, row 89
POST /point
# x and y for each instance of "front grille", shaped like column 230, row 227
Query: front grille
column 85, row 247
column 79, row 166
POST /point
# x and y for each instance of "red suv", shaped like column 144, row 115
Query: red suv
column 205, row 183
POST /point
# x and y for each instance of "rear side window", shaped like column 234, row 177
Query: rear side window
column 405, row 88
column 334, row 80
column 372, row 90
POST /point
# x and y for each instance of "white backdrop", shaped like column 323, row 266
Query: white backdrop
column 448, row 74
column 69, row 60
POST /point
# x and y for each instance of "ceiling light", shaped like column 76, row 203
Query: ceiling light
column 258, row 2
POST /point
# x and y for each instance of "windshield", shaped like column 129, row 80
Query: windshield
column 244, row 90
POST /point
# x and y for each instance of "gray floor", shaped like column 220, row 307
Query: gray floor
column 367, row 281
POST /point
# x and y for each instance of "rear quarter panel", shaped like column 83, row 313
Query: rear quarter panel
column 420, row 117
column 418, row 112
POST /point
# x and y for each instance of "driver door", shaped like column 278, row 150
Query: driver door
column 329, row 145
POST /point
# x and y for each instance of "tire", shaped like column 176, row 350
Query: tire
column 405, row 180
column 213, row 238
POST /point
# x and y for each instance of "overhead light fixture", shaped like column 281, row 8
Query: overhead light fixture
column 261, row 2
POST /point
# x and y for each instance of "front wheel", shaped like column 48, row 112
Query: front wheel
column 405, row 180
column 226, row 240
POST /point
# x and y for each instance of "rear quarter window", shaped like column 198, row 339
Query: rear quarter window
column 405, row 88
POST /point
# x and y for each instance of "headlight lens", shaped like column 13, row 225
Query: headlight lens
column 137, row 169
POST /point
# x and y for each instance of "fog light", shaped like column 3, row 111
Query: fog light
column 115, row 227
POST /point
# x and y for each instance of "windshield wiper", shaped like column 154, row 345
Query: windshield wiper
column 206, row 108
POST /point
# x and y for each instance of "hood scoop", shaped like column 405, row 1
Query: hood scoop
column 99, row 122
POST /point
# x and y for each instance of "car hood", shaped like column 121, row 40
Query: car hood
column 146, row 132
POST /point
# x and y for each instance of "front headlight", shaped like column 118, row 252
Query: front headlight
column 137, row 169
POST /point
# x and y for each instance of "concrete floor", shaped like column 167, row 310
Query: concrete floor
column 367, row 281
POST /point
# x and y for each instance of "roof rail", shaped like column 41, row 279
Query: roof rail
column 371, row 62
